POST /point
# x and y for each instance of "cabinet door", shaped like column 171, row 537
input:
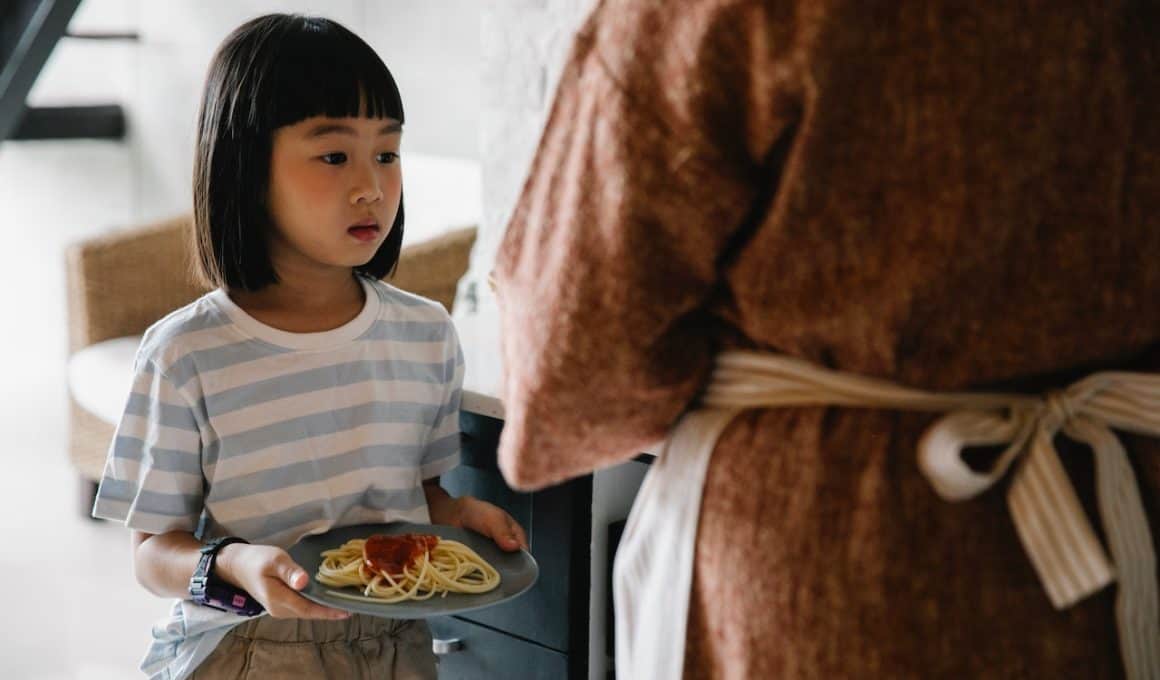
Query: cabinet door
column 467, row 651
column 554, row 613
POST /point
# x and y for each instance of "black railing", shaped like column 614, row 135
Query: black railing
column 95, row 121
column 29, row 31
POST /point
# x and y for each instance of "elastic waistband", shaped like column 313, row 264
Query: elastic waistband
column 357, row 627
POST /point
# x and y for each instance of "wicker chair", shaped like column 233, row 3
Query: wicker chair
column 122, row 282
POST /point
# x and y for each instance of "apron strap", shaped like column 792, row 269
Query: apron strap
column 655, row 562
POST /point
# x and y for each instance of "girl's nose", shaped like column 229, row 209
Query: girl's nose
column 367, row 189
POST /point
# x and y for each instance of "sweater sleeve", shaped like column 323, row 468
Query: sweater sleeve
column 644, row 177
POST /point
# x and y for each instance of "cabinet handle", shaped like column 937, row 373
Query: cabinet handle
column 444, row 647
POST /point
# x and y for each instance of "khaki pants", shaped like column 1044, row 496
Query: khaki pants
column 359, row 648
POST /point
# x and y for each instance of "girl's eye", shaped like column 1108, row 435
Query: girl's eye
column 388, row 157
column 337, row 158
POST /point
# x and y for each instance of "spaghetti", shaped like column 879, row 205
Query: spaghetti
column 405, row 567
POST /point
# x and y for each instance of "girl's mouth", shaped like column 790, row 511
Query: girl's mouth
column 364, row 232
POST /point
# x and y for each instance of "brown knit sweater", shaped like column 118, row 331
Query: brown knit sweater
column 947, row 195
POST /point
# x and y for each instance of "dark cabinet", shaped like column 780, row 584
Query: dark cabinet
column 467, row 651
column 544, row 632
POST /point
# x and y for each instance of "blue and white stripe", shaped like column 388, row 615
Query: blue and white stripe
column 235, row 428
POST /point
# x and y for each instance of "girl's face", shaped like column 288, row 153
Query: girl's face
column 335, row 186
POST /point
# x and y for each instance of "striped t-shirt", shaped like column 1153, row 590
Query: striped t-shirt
column 235, row 428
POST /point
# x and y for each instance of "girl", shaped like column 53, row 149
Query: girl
column 302, row 394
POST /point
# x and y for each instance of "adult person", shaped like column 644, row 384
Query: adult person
column 937, row 196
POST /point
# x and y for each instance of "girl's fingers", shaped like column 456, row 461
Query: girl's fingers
column 521, row 535
column 285, row 603
column 493, row 522
column 311, row 610
column 511, row 535
column 295, row 578
column 289, row 572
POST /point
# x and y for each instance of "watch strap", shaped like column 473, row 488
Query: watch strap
column 205, row 588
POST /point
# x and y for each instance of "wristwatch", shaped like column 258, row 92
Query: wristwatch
column 207, row 589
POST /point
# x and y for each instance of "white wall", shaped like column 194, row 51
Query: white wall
column 523, row 45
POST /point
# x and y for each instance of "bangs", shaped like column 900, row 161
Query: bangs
column 274, row 71
column 308, row 67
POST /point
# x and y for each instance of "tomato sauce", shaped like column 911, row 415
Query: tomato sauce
column 392, row 554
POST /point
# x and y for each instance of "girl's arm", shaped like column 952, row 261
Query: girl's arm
column 472, row 513
column 164, row 563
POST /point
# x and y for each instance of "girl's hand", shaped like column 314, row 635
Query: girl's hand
column 272, row 578
column 482, row 517
column 491, row 521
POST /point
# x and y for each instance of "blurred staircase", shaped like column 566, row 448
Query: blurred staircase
column 29, row 30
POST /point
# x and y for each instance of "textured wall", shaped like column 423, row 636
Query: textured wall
column 523, row 44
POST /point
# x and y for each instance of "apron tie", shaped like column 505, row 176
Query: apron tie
column 1048, row 517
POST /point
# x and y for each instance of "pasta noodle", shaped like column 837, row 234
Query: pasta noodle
column 405, row 567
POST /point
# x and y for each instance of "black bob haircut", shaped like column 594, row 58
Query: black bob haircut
column 273, row 71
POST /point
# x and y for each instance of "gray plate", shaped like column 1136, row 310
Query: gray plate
column 518, row 571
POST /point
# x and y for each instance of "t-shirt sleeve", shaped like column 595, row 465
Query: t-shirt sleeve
column 153, row 480
column 441, row 453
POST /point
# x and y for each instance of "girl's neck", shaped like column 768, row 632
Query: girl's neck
column 305, row 304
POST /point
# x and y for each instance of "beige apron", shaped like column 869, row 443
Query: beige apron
column 654, row 565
